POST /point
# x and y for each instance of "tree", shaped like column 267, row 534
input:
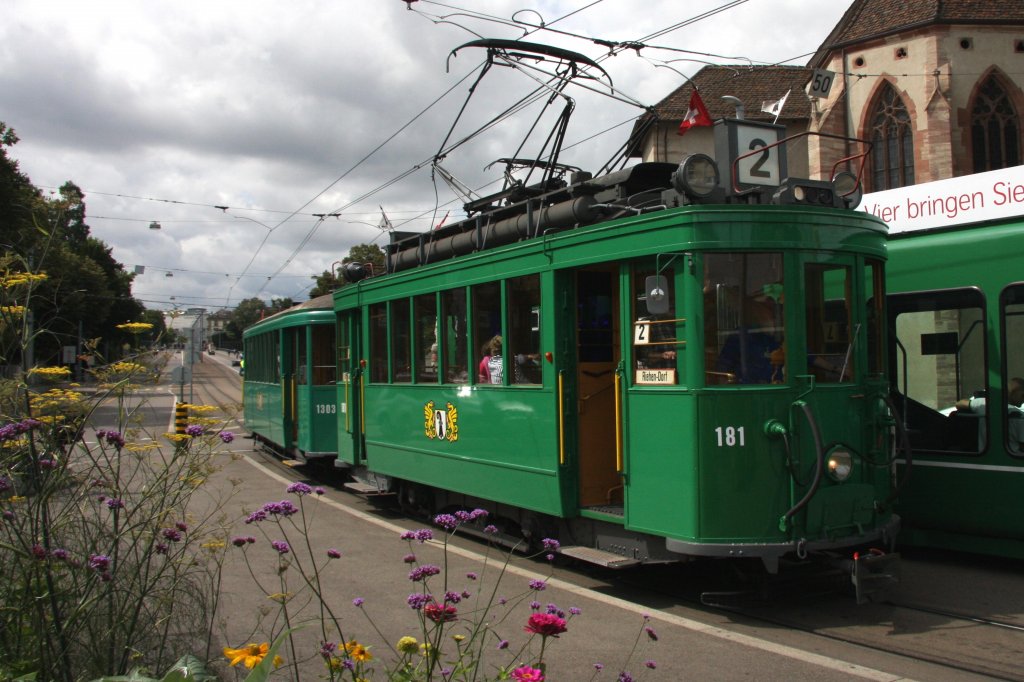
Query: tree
column 369, row 254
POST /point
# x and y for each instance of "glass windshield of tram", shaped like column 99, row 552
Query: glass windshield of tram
column 744, row 330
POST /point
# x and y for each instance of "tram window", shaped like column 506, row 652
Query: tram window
column 425, row 338
column 744, row 325
column 523, row 347
column 1011, row 307
column 401, row 358
column 594, row 316
column 874, row 297
column 453, row 339
column 829, row 331
column 324, row 370
column 379, row 342
column 938, row 346
column 655, row 341
column 486, row 314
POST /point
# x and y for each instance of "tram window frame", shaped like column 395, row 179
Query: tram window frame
column 933, row 422
column 400, row 331
column 325, row 370
column 1011, row 326
column 523, row 329
column 485, row 312
column 379, row 351
column 831, row 337
column 425, row 329
column 454, row 351
column 655, row 343
column 874, row 311
column 744, row 318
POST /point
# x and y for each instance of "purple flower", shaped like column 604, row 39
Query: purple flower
column 326, row 649
column 99, row 562
column 452, row 597
column 409, row 558
column 281, row 546
column 8, row 515
column 113, row 438
column 172, row 534
column 551, row 544
column 651, row 664
column 47, row 464
column 538, row 585
column 446, row 521
column 503, row 644
column 358, row 602
column 181, row 525
column 300, row 488
column 115, row 503
column 598, row 667
column 226, row 436
column 238, row 541
column 424, row 534
column 5, row 484
column 651, row 634
column 417, row 601
column 625, row 677
column 535, row 605
column 60, row 554
column 574, row 610
column 471, row 575
column 161, row 548
column 282, row 508
column 423, row 572
column 333, row 553
column 38, row 552
column 318, row 490
column 194, row 430
column 490, row 529
column 256, row 516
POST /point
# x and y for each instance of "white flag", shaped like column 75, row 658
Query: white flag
column 775, row 108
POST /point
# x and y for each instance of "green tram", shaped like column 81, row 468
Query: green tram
column 662, row 363
column 956, row 319
column 290, row 389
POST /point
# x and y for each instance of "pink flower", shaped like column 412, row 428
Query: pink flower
column 527, row 674
column 545, row 624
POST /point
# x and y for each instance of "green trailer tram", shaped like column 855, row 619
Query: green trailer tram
column 650, row 366
column 290, row 389
column 956, row 320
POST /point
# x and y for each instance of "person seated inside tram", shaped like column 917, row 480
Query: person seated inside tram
column 1015, row 423
column 753, row 353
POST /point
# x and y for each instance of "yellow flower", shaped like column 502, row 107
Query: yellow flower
column 250, row 655
column 357, row 652
column 135, row 327
column 52, row 372
column 407, row 645
column 458, row 638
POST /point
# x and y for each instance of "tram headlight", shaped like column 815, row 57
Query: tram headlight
column 849, row 188
column 839, row 463
column 696, row 177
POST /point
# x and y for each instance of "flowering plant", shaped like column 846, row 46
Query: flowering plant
column 466, row 632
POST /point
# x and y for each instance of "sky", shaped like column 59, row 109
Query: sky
column 234, row 125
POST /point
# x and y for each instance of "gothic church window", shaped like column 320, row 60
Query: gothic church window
column 995, row 128
column 892, row 164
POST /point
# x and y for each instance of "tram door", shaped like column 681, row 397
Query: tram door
column 295, row 362
column 598, row 353
column 350, row 439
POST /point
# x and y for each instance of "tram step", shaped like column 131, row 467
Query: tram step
column 293, row 462
column 365, row 489
column 597, row 556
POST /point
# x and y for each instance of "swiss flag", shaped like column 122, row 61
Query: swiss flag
column 696, row 115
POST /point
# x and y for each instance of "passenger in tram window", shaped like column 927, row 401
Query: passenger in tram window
column 753, row 353
column 495, row 367
column 483, row 370
column 1015, row 422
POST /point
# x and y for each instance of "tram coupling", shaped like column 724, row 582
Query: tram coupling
column 873, row 574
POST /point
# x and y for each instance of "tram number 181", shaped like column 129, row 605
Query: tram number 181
column 730, row 436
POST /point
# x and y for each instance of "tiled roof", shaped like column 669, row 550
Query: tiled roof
column 866, row 19
column 752, row 85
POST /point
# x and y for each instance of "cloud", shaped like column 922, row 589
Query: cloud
column 162, row 111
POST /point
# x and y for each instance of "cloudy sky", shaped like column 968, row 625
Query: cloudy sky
column 232, row 123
